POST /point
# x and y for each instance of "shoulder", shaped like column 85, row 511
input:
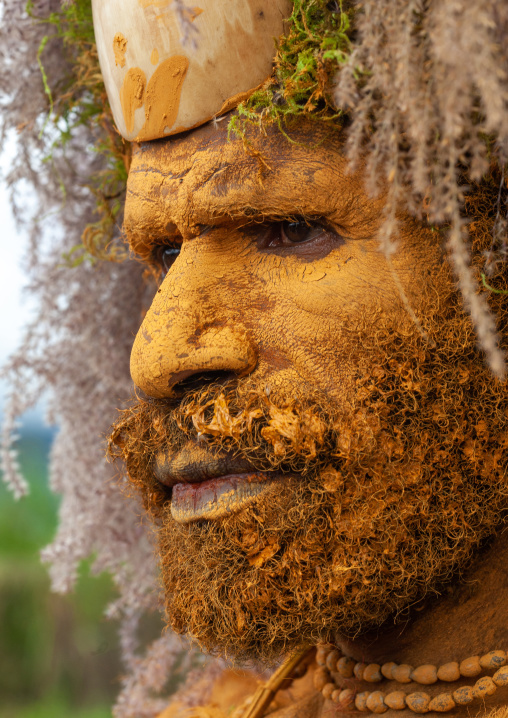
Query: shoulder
column 229, row 691
column 233, row 690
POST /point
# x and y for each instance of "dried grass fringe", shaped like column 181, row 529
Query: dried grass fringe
column 427, row 89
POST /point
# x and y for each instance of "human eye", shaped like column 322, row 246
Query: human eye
column 299, row 235
column 298, row 231
column 164, row 256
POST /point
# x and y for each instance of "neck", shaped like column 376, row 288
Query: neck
column 467, row 620
column 470, row 619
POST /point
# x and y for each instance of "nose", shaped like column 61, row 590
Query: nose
column 186, row 333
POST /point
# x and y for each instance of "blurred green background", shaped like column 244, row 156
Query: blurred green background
column 58, row 654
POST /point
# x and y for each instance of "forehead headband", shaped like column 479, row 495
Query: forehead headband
column 158, row 83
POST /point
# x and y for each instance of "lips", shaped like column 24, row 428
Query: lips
column 206, row 486
column 216, row 498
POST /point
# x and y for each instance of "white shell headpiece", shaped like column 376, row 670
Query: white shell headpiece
column 159, row 85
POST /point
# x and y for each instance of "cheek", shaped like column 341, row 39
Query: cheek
column 324, row 289
column 295, row 313
column 301, row 315
column 348, row 281
column 314, row 301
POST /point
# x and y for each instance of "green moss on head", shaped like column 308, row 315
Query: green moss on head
column 308, row 56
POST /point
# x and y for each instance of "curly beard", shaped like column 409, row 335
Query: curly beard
column 394, row 492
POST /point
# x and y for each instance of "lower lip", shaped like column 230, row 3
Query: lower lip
column 219, row 497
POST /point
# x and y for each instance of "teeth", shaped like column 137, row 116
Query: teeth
column 215, row 498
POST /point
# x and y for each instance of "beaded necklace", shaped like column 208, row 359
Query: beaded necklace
column 333, row 666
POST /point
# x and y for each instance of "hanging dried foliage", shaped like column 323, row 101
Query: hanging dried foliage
column 426, row 90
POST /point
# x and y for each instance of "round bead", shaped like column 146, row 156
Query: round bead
column 418, row 702
column 396, row 700
column 325, row 647
column 331, row 659
column 500, row 678
column 462, row 696
column 359, row 669
column 361, row 701
column 402, row 673
column 321, row 660
column 321, row 678
column 336, row 695
column 372, row 673
column 375, row 702
column 484, row 687
column 347, row 696
column 387, row 670
column 448, row 672
column 494, row 659
column 426, row 674
column 328, row 690
column 321, row 654
column 442, row 703
column 345, row 666
column 470, row 667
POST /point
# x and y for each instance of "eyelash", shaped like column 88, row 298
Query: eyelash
column 164, row 255
column 302, row 226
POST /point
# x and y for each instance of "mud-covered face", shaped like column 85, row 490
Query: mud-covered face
column 313, row 460
column 271, row 250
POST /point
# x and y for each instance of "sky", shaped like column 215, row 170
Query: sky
column 15, row 306
column 14, row 309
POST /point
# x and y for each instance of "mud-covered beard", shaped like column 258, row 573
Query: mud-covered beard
column 395, row 489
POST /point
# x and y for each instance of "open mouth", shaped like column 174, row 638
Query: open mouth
column 205, row 486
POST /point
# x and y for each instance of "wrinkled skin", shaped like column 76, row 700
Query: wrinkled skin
column 268, row 311
column 244, row 300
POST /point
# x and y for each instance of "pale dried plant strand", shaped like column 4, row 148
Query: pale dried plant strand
column 476, row 303
column 147, row 676
column 434, row 81
column 9, row 458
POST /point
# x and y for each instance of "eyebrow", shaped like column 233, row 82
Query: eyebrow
column 171, row 203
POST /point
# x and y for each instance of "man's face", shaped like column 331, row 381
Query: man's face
column 279, row 256
column 314, row 461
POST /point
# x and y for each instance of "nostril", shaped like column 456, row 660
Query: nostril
column 200, row 380
column 173, row 355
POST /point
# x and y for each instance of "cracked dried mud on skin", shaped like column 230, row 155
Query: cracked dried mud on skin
column 296, row 336
column 224, row 275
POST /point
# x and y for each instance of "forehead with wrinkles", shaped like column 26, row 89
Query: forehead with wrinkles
column 178, row 186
